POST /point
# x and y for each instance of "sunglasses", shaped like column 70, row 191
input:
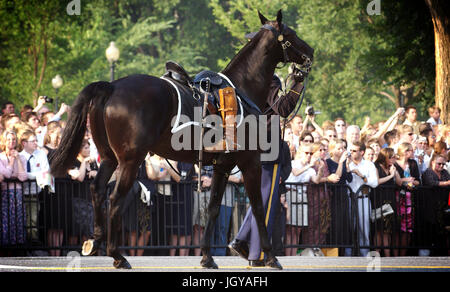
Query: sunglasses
column 354, row 151
column 440, row 164
column 309, row 153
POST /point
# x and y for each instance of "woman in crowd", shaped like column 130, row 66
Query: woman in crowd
column 295, row 200
column 137, row 211
column 387, row 175
column 54, row 202
column 338, row 202
column 408, row 170
column 83, row 169
column 436, row 175
column 52, row 138
column 12, row 167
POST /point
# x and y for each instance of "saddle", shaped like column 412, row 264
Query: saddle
column 221, row 99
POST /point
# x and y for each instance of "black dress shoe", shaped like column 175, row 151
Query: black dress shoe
column 256, row 263
column 239, row 247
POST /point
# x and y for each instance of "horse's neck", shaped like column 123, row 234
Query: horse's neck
column 252, row 71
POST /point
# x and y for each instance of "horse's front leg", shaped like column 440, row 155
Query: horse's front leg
column 218, row 185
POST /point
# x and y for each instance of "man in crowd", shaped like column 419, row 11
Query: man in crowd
column 411, row 118
column 364, row 174
column 37, row 167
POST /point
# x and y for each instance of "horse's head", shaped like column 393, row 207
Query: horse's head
column 291, row 48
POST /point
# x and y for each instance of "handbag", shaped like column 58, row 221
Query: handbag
column 383, row 211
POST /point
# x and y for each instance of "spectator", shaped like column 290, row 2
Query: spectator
column 201, row 202
column 46, row 117
column 296, row 200
column 317, row 129
column 297, row 127
column 421, row 153
column 364, row 174
column 341, row 128
column 83, row 217
column 369, row 154
column 307, row 137
column 37, row 168
column 136, row 210
column 32, row 119
column 408, row 170
column 55, row 224
column 353, row 135
column 12, row 167
column 25, row 109
column 52, row 138
column 157, row 173
column 319, row 199
column 222, row 225
column 434, row 112
column 180, row 211
column 375, row 145
column 387, row 126
column 440, row 148
column 9, row 120
column 436, row 175
column 8, row 108
column 338, row 203
column 411, row 118
column 330, row 133
column 391, row 138
column 387, row 174
column 406, row 134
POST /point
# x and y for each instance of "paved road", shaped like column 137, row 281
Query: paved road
column 75, row 263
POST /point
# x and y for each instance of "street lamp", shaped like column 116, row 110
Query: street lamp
column 57, row 82
column 112, row 54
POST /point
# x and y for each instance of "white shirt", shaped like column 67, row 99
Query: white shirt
column 433, row 121
column 38, row 165
column 367, row 169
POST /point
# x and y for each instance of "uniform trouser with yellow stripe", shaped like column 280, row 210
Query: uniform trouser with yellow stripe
column 270, row 178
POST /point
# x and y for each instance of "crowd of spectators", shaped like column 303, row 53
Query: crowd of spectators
column 395, row 157
column 400, row 152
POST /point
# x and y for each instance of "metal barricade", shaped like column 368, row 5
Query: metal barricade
column 386, row 219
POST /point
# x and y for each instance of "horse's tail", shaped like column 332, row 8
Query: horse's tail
column 72, row 137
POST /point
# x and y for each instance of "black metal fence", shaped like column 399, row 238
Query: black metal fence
column 390, row 220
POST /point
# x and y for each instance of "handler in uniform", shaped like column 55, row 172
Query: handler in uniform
column 247, row 243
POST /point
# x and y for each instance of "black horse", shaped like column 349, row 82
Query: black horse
column 132, row 116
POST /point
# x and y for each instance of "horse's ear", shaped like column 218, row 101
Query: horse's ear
column 279, row 17
column 262, row 18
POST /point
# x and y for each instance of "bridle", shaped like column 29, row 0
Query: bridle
column 304, row 68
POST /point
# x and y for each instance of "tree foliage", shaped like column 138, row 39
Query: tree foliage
column 362, row 66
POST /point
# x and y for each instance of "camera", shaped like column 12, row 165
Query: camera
column 48, row 99
column 309, row 111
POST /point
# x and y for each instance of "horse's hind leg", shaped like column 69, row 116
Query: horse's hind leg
column 218, row 185
column 98, row 191
column 125, row 177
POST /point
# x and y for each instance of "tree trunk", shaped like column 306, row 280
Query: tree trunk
column 440, row 10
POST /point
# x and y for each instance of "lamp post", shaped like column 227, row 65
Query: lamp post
column 57, row 82
column 112, row 54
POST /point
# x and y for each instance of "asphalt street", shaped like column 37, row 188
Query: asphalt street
column 75, row 263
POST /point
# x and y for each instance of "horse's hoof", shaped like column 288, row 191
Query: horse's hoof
column 274, row 264
column 209, row 264
column 90, row 247
column 122, row 264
